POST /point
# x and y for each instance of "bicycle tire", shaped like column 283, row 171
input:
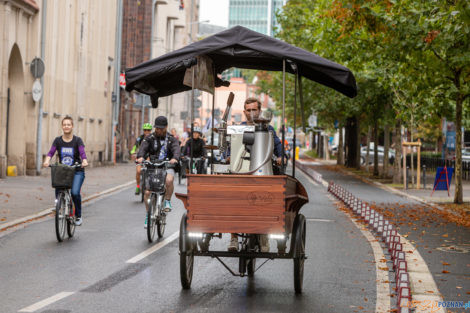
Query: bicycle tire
column 151, row 221
column 60, row 219
column 71, row 223
column 161, row 218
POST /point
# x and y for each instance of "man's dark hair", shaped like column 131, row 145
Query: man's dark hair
column 67, row 118
column 251, row 100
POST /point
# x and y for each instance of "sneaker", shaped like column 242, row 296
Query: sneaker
column 233, row 246
column 167, row 206
column 264, row 243
column 145, row 223
column 137, row 191
column 78, row 221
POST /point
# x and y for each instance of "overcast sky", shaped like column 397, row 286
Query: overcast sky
column 216, row 11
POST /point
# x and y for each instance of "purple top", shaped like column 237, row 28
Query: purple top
column 69, row 152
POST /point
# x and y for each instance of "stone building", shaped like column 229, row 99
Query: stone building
column 173, row 25
column 78, row 53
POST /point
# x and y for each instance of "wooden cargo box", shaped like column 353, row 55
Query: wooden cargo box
column 242, row 203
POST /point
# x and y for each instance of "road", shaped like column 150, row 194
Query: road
column 90, row 273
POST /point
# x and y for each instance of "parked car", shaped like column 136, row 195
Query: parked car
column 380, row 152
column 465, row 155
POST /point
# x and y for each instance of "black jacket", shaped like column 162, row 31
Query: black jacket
column 152, row 146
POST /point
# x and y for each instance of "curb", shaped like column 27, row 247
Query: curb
column 48, row 211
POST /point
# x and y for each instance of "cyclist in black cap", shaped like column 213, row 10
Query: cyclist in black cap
column 161, row 145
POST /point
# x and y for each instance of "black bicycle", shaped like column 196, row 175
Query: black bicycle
column 62, row 179
column 155, row 177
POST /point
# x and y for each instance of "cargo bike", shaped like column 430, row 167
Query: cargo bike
column 248, row 194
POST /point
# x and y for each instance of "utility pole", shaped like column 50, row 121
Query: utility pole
column 116, row 99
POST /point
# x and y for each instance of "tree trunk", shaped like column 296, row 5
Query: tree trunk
column 458, row 196
column 340, row 150
column 367, row 158
column 386, row 160
column 397, row 162
column 358, row 144
column 376, row 148
column 352, row 142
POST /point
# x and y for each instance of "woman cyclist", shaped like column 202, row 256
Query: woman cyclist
column 71, row 150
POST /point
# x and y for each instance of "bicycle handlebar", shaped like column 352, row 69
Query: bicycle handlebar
column 156, row 164
column 76, row 165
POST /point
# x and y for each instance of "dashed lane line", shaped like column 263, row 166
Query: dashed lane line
column 154, row 248
column 43, row 303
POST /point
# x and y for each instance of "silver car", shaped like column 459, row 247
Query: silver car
column 380, row 153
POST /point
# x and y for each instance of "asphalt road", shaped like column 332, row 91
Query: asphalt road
column 89, row 273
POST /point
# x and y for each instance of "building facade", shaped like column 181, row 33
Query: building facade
column 257, row 15
column 78, row 47
column 152, row 28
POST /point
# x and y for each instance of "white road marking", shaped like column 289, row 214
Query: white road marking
column 421, row 280
column 41, row 304
column 45, row 212
column 154, row 248
column 318, row 220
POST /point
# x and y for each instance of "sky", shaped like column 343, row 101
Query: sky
column 216, row 11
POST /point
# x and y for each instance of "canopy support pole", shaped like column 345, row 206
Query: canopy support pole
column 301, row 98
column 212, row 121
column 295, row 122
column 283, row 111
column 193, row 70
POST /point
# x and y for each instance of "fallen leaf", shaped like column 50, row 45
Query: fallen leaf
column 383, row 268
column 445, row 263
column 445, row 272
column 445, row 235
column 429, row 291
column 458, row 287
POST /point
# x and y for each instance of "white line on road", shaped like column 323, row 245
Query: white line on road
column 154, row 248
column 49, row 210
column 39, row 305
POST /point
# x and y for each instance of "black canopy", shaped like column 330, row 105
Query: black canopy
column 236, row 47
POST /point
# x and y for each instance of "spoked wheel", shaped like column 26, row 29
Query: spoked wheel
column 151, row 220
column 161, row 218
column 253, row 246
column 299, row 252
column 186, row 256
column 60, row 219
column 71, row 223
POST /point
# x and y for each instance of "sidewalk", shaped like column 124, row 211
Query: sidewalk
column 422, row 195
column 27, row 195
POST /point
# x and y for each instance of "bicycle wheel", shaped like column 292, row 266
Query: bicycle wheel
column 161, row 218
column 71, row 222
column 151, row 221
column 60, row 219
column 299, row 255
column 186, row 256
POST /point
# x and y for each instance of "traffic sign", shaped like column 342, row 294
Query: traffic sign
column 312, row 120
column 37, row 90
column 122, row 80
column 37, row 68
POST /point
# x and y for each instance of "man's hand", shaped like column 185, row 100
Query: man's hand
column 84, row 163
column 279, row 160
column 140, row 160
column 173, row 161
column 45, row 164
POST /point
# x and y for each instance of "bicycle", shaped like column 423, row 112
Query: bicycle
column 64, row 207
column 199, row 165
column 155, row 173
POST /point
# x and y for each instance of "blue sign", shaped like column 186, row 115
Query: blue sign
column 440, row 180
column 450, row 140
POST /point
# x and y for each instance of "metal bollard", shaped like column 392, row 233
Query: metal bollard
column 424, row 176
